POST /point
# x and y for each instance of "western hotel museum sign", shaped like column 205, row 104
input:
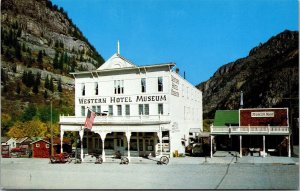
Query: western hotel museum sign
column 125, row 99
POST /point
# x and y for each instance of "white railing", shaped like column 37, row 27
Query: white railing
column 118, row 119
column 249, row 129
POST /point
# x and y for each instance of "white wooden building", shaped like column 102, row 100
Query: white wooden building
column 150, row 109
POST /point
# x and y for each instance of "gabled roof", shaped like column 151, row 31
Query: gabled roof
column 226, row 118
column 40, row 140
column 23, row 139
column 116, row 61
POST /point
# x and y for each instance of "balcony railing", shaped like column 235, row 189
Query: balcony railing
column 141, row 119
column 250, row 129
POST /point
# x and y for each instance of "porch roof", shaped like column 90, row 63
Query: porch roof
column 226, row 118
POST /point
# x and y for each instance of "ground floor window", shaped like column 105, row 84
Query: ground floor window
column 144, row 109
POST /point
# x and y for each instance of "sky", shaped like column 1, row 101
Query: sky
column 198, row 35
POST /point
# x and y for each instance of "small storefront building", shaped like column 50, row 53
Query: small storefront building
column 260, row 131
column 143, row 110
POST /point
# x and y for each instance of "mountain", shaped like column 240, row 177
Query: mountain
column 40, row 46
column 268, row 77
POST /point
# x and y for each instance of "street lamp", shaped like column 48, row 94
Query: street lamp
column 51, row 126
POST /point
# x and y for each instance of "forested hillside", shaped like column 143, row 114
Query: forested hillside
column 40, row 46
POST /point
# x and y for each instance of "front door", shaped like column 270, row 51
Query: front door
column 120, row 146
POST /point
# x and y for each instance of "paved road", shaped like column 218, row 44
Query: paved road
column 39, row 174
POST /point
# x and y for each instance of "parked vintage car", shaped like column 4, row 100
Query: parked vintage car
column 61, row 158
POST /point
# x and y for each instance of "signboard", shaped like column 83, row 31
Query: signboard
column 264, row 117
column 263, row 114
column 124, row 99
column 175, row 84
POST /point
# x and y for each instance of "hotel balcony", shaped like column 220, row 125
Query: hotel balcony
column 253, row 130
column 117, row 120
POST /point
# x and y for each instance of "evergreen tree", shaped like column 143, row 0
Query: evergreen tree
column 47, row 84
column 45, row 94
column 30, row 79
column 55, row 60
column 35, row 88
column 73, row 65
column 24, row 77
column 18, row 52
column 40, row 59
column 29, row 113
column 18, row 89
column 61, row 62
column 38, row 78
column 51, row 86
column 59, row 86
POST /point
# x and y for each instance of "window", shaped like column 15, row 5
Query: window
column 144, row 109
column 160, row 84
column 127, row 109
column 160, row 108
column 119, row 107
column 110, row 110
column 141, row 109
column 96, row 89
column 37, row 145
column 119, row 86
column 98, row 109
column 94, row 108
column 82, row 110
column 143, row 84
column 83, row 90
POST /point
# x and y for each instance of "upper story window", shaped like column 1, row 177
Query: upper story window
column 96, row 89
column 82, row 111
column 160, row 84
column 119, row 107
column 144, row 109
column 127, row 109
column 161, row 108
column 119, row 86
column 98, row 109
column 83, row 90
column 94, row 108
column 110, row 110
column 143, row 84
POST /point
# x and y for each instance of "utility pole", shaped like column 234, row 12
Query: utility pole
column 51, row 129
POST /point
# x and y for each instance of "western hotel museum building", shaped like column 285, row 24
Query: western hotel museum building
column 148, row 109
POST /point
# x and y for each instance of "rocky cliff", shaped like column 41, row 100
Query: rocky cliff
column 268, row 77
column 40, row 46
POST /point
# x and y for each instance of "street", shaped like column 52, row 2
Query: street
column 39, row 174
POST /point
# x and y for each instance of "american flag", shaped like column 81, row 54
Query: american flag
column 89, row 119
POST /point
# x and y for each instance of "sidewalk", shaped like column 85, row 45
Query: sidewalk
column 227, row 158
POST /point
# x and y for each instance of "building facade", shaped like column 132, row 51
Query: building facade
column 144, row 109
column 252, row 130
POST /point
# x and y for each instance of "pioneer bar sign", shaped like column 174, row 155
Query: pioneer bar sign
column 262, row 114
